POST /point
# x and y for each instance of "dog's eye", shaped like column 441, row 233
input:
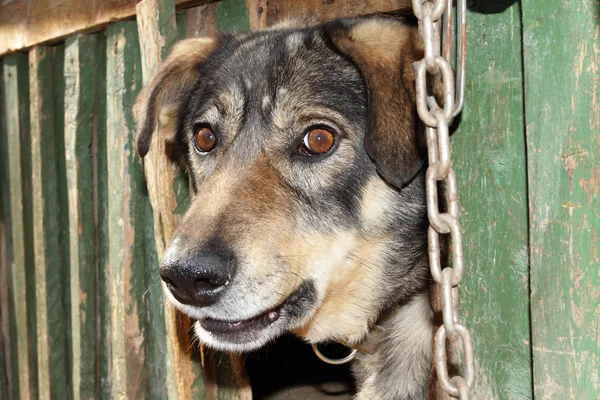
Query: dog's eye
column 205, row 140
column 317, row 141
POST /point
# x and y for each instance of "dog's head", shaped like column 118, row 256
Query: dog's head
column 303, row 146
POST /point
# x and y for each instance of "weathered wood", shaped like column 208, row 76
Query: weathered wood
column 16, row 104
column 24, row 23
column 51, row 328
column 257, row 13
column 58, row 81
column 100, row 193
column 8, row 339
column 81, row 95
column 126, row 223
column 325, row 10
column 561, row 47
column 167, row 189
column 199, row 21
column 489, row 159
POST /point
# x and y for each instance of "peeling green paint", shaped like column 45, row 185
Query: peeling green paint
column 489, row 159
column 561, row 47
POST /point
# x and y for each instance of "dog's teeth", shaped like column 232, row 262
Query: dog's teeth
column 236, row 323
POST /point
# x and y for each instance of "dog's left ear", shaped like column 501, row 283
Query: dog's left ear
column 384, row 50
column 158, row 104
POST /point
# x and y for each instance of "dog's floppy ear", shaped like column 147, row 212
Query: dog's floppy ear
column 157, row 105
column 384, row 50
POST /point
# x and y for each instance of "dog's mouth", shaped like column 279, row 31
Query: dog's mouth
column 253, row 332
column 228, row 327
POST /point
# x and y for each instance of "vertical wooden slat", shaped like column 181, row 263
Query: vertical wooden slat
column 10, row 388
column 50, row 313
column 81, row 96
column 561, row 47
column 100, row 193
column 58, row 82
column 126, row 223
column 16, row 99
column 167, row 189
column 489, row 159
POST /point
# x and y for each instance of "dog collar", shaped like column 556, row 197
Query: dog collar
column 366, row 346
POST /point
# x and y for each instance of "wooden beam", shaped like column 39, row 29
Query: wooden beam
column 324, row 10
column 81, row 95
column 561, row 52
column 127, row 207
column 16, row 106
column 25, row 23
column 489, row 158
column 51, row 315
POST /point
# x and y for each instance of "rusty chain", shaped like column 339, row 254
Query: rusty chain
column 431, row 14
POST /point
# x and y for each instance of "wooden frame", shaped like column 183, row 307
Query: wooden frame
column 25, row 23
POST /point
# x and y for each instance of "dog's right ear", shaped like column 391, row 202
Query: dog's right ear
column 157, row 105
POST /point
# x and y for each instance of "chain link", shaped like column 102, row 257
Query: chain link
column 437, row 119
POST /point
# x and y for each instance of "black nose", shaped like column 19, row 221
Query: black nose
column 199, row 279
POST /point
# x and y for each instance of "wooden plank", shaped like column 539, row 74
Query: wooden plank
column 51, row 328
column 8, row 339
column 325, row 10
column 167, row 189
column 126, row 224
column 25, row 23
column 561, row 47
column 81, row 95
column 58, row 81
column 16, row 99
column 490, row 162
column 100, row 195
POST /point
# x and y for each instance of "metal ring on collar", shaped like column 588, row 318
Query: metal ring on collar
column 337, row 361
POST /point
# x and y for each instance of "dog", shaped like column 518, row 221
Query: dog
column 306, row 156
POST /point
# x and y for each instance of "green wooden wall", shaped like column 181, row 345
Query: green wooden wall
column 491, row 166
column 561, row 49
column 81, row 308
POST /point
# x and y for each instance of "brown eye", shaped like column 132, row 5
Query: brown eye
column 317, row 141
column 205, row 140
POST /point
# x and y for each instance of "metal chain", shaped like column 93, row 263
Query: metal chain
column 434, row 66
